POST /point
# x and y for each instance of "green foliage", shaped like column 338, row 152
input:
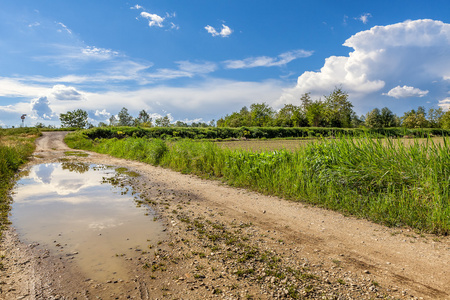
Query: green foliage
column 378, row 179
column 74, row 119
column 124, row 118
column 338, row 109
column 415, row 119
column 20, row 146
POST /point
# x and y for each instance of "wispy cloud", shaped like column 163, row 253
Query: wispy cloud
column 64, row 28
column 364, row 18
column 265, row 61
column 35, row 24
column 225, row 32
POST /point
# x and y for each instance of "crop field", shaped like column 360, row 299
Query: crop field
column 293, row 145
column 396, row 182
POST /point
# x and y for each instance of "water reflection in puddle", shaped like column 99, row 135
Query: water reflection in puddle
column 72, row 210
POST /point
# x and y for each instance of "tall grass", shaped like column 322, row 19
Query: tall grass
column 383, row 180
column 15, row 147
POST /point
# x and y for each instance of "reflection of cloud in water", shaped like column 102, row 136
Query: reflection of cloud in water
column 104, row 225
column 44, row 172
column 49, row 180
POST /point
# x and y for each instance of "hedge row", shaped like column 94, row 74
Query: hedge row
column 255, row 132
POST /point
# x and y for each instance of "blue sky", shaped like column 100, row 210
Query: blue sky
column 201, row 60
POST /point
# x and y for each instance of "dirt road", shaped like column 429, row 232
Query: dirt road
column 230, row 243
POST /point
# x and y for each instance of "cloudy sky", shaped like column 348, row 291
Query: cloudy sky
column 199, row 60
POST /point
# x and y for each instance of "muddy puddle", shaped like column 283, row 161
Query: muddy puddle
column 85, row 214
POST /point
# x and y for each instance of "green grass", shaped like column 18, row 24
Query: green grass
column 384, row 180
column 16, row 145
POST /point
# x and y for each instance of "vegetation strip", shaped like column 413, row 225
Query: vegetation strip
column 379, row 179
column 16, row 145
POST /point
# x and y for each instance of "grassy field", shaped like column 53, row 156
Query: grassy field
column 389, row 181
column 293, row 145
column 16, row 145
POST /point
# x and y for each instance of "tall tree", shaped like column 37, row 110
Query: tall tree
column 112, row 120
column 124, row 118
column 162, row 121
column 435, row 117
column 144, row 119
column 290, row 116
column 373, row 119
column 388, row 118
column 315, row 113
column 261, row 114
column 415, row 119
column 76, row 119
column 338, row 109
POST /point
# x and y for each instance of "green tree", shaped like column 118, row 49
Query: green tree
column 144, row 119
column 76, row 119
column 373, row 119
column 338, row 109
column 435, row 117
column 261, row 114
column 445, row 120
column 415, row 119
column 315, row 113
column 162, row 121
column 290, row 116
column 112, row 120
column 124, row 118
column 388, row 118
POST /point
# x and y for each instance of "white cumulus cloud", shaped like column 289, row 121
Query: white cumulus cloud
column 225, row 32
column 62, row 92
column 405, row 92
column 384, row 56
column 445, row 103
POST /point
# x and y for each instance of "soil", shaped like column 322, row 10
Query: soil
column 230, row 243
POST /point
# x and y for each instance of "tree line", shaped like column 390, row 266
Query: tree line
column 79, row 119
column 334, row 111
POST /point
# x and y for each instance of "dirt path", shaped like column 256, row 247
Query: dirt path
column 230, row 243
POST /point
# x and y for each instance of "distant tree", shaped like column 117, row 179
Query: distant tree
column 415, row 119
column 39, row 125
column 315, row 113
column 290, row 116
column 75, row 119
column 143, row 119
column 112, row 120
column 435, row 117
column 445, row 120
column 162, row 121
column 124, row 118
column 388, row 118
column 102, row 124
column 306, row 102
column 180, row 124
column 338, row 109
column 357, row 121
column 236, row 119
column 373, row 119
column 261, row 114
